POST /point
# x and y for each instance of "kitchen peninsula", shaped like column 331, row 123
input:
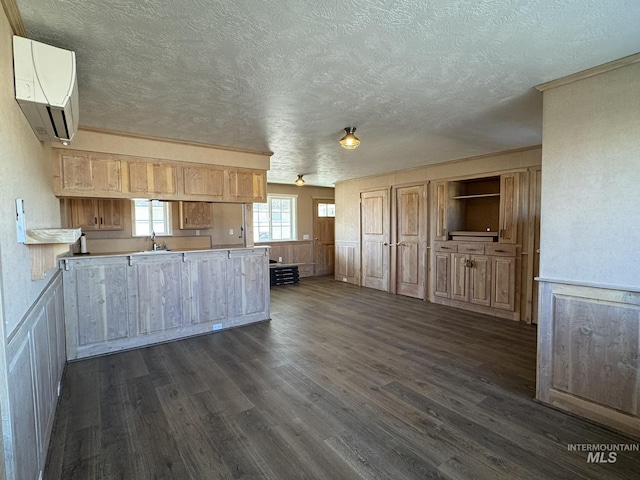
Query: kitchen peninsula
column 122, row 301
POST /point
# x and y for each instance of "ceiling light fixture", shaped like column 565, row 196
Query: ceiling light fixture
column 299, row 181
column 349, row 141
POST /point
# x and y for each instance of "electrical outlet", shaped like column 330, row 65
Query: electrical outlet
column 231, row 231
column 344, row 279
column 280, row 259
column 217, row 326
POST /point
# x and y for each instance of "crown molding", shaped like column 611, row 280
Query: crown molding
column 590, row 72
column 13, row 15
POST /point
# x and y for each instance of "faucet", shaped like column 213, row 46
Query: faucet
column 154, row 245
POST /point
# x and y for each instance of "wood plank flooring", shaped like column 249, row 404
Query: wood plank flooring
column 343, row 383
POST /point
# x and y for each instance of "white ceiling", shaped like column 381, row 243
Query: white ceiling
column 424, row 81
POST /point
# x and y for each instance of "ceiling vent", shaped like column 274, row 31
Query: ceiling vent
column 46, row 88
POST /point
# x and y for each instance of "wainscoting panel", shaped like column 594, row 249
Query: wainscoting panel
column 36, row 358
column 588, row 360
column 347, row 262
column 294, row 252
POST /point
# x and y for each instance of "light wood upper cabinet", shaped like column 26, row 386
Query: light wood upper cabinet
column 248, row 186
column 152, row 178
column 97, row 214
column 196, row 215
column 91, row 175
column 82, row 174
column 509, row 203
column 203, row 181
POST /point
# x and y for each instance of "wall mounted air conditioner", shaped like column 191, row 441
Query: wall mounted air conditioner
column 46, row 88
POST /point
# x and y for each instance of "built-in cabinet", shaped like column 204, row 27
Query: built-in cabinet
column 117, row 302
column 97, row 213
column 196, row 215
column 97, row 175
column 478, row 244
column 484, row 207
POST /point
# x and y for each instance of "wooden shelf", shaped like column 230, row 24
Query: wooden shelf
column 45, row 245
column 481, row 195
column 465, row 233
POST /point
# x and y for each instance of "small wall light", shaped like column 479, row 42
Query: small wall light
column 299, row 181
column 349, row 141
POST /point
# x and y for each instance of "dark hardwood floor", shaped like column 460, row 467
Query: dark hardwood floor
column 343, row 383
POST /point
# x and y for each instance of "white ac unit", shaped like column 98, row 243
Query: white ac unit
column 46, row 88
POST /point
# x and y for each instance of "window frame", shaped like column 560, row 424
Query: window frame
column 167, row 220
column 293, row 229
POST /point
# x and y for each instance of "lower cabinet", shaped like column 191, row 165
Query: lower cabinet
column 476, row 277
column 119, row 302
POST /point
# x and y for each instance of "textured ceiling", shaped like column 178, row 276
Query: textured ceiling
column 423, row 81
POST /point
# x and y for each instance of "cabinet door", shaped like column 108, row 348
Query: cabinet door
column 97, row 214
column 89, row 174
column 84, row 213
column 509, row 207
column 203, row 181
column 480, row 280
column 259, row 187
column 459, row 277
column 442, row 283
column 503, row 283
column 246, row 186
column 111, row 213
column 152, row 178
column 196, row 215
column 240, row 185
column 162, row 301
column 440, row 201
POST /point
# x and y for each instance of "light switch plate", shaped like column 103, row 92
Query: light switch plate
column 21, row 229
column 305, row 236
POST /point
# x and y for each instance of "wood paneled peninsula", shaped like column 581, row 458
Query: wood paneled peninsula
column 123, row 301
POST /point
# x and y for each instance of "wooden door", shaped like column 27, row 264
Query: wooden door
column 84, row 213
column 509, row 202
column 440, row 200
column 151, row 178
column 480, row 280
column 78, row 173
column 111, row 212
column 196, row 215
column 374, row 213
column 206, row 181
column 323, row 236
column 503, row 283
column 442, row 283
column 410, row 241
column 459, row 277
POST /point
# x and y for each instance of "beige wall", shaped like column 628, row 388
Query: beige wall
column 165, row 149
column 348, row 193
column 590, row 222
column 25, row 172
column 226, row 217
column 305, row 194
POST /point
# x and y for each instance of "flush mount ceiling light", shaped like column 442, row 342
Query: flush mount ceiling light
column 299, row 181
column 349, row 141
